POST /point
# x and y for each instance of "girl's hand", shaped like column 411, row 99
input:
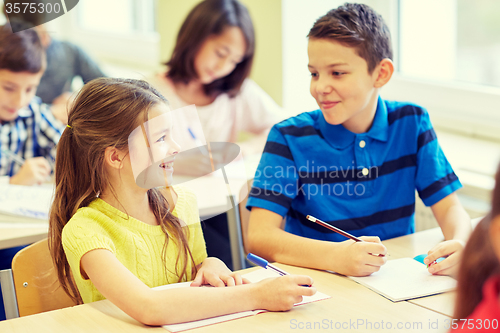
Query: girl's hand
column 280, row 294
column 361, row 258
column 452, row 250
column 215, row 273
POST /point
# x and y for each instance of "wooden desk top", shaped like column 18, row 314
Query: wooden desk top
column 351, row 306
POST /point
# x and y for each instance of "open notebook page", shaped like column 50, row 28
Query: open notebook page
column 406, row 278
column 27, row 201
column 254, row 276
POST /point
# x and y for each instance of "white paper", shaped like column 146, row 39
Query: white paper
column 254, row 276
column 27, row 201
column 406, row 278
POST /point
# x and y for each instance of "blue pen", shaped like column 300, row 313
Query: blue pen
column 200, row 144
column 265, row 264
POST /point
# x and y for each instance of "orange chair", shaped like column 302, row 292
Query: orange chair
column 32, row 286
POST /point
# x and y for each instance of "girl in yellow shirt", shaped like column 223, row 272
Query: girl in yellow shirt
column 113, row 237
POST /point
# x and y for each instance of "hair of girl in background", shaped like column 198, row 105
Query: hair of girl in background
column 211, row 17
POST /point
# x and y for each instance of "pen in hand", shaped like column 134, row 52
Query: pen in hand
column 265, row 264
column 337, row 230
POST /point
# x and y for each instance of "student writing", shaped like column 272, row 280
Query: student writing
column 111, row 238
column 354, row 163
column 65, row 60
column 28, row 129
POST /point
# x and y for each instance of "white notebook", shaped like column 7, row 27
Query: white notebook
column 26, row 201
column 406, row 278
column 254, row 276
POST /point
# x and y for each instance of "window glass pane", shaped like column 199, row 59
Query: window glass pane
column 451, row 40
column 478, row 41
column 114, row 16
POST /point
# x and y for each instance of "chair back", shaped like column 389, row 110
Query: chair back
column 35, row 281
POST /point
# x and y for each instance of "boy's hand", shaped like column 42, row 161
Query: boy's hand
column 280, row 294
column 35, row 170
column 452, row 250
column 361, row 258
column 215, row 273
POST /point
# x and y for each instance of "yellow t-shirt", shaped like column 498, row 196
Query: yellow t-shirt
column 135, row 244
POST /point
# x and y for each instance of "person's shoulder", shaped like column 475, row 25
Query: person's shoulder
column 186, row 206
column 41, row 112
column 34, row 108
column 399, row 110
column 303, row 119
column 184, row 192
column 403, row 107
column 85, row 218
column 163, row 84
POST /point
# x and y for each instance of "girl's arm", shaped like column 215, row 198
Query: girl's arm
column 161, row 307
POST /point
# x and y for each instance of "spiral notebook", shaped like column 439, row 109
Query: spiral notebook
column 404, row 279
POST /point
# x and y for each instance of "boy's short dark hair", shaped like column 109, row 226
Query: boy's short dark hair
column 357, row 26
column 21, row 51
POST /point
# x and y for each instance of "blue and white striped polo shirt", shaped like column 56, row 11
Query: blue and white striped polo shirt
column 35, row 132
column 362, row 183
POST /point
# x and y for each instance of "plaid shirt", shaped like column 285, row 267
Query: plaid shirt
column 35, row 132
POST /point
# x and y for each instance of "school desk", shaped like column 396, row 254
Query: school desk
column 351, row 305
column 18, row 230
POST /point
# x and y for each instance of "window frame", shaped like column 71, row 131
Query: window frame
column 115, row 47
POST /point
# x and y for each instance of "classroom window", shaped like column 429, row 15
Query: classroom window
column 447, row 62
column 451, row 40
column 117, row 16
column 116, row 32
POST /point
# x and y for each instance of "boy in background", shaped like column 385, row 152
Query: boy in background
column 65, row 61
column 29, row 132
column 355, row 163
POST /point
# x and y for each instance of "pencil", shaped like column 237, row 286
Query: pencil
column 13, row 156
column 339, row 231
column 332, row 228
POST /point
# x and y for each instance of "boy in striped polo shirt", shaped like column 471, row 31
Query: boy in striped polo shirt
column 28, row 131
column 355, row 163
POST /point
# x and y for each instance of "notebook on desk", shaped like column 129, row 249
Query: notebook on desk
column 254, row 276
column 404, row 279
column 26, row 201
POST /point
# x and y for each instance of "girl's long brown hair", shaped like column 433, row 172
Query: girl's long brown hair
column 211, row 17
column 103, row 115
column 479, row 261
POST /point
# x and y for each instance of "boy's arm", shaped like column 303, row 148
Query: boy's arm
column 267, row 239
column 456, row 227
